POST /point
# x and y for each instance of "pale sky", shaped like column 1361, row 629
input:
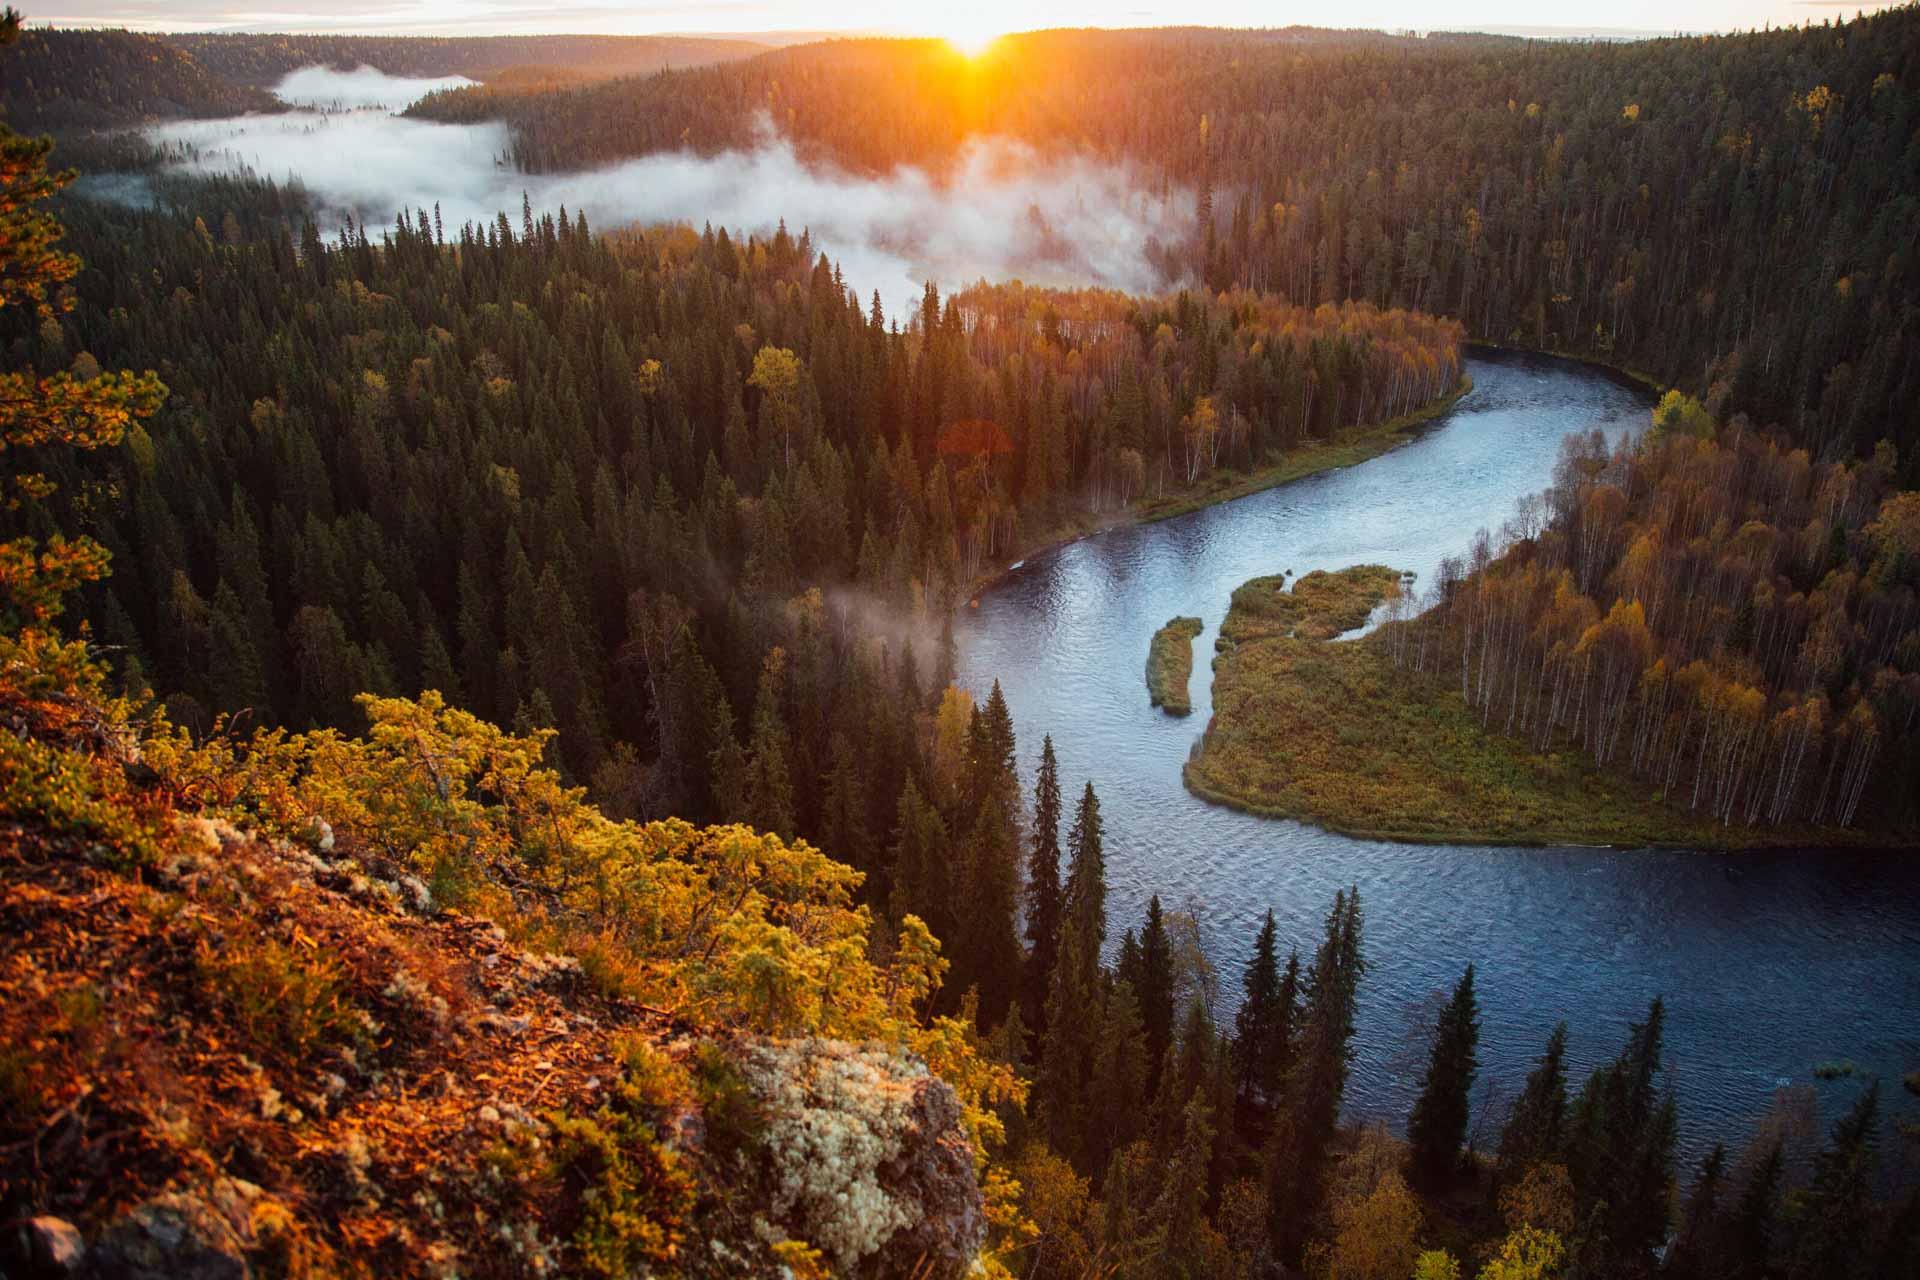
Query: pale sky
column 967, row 19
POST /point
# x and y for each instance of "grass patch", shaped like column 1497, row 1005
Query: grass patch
column 1336, row 735
column 1170, row 665
column 1321, row 605
column 1833, row 1070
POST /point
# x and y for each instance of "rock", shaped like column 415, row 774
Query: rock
column 55, row 1245
column 186, row 1235
column 869, row 1159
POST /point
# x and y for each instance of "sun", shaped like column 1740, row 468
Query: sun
column 970, row 38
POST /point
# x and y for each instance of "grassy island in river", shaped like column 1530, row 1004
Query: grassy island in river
column 1334, row 734
column 1170, row 665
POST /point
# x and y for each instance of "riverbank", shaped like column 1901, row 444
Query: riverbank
column 1170, row 665
column 1335, row 734
column 1347, row 449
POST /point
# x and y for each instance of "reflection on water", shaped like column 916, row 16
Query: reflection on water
column 1769, row 962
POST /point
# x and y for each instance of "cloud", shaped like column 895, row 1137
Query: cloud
column 1004, row 212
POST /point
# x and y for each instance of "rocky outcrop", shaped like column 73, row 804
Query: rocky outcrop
column 867, row 1156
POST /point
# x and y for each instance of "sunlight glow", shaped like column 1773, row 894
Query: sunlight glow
column 970, row 38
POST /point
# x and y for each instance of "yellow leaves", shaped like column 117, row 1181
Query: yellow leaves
column 1631, row 113
column 1527, row 1254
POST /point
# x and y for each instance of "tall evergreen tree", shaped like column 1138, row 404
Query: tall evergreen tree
column 1439, row 1122
column 1084, row 901
column 1043, row 894
column 1536, row 1127
column 1620, row 1148
column 1156, row 992
column 1297, row 1154
column 1751, row 1230
column 1256, row 1021
column 1833, row 1224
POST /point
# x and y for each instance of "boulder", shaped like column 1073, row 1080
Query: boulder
column 867, row 1156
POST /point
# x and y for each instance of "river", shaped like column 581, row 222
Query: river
column 1769, row 962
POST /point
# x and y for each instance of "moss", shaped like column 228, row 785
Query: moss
column 1170, row 665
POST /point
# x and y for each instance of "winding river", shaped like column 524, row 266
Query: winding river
column 1769, row 962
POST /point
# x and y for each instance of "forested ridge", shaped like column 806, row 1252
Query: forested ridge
column 71, row 80
column 1731, row 214
column 81, row 80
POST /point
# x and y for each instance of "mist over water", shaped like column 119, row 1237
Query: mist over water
column 1006, row 212
column 329, row 90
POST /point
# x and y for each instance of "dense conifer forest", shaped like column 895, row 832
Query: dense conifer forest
column 1729, row 213
column 523, row 625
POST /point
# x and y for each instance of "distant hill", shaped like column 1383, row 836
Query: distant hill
column 89, row 79
column 65, row 80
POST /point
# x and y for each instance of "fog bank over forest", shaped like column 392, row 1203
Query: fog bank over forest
column 1005, row 213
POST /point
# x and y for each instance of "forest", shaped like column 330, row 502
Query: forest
column 373, row 594
column 1709, row 611
column 1730, row 214
column 74, row 81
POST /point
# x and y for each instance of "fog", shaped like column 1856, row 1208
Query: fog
column 1004, row 212
column 326, row 88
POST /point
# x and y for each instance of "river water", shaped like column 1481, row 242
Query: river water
column 1769, row 962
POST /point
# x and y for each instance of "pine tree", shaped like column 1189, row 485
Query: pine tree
column 1835, row 1218
column 1066, row 1054
column 1620, row 1148
column 1297, row 1154
column 1043, row 895
column 1439, row 1122
column 1700, row 1246
column 769, row 795
column 1750, row 1232
column 1084, row 901
column 1117, row 1097
column 1156, row 991
column 919, row 872
column 1536, row 1127
column 1260, row 1025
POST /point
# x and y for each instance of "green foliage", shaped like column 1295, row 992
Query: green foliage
column 1438, row 1125
column 634, row 1196
column 1170, row 664
column 281, row 997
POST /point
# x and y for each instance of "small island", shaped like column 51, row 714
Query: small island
column 1170, row 665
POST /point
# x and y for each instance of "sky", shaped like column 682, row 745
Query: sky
column 968, row 20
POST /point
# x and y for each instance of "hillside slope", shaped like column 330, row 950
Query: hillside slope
column 230, row 1051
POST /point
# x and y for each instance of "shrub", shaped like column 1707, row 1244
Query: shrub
column 293, row 1000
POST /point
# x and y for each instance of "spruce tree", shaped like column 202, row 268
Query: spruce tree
column 1298, row 1152
column 1043, row 897
column 1835, row 1216
column 1084, row 902
column 1536, row 1127
column 1118, row 1094
column 1751, row 1230
column 1156, row 991
column 1620, row 1148
column 1256, row 1024
column 1439, row 1122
